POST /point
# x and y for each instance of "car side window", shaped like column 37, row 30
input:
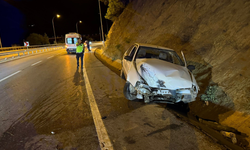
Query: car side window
column 177, row 60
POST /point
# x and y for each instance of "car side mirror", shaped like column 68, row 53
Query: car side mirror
column 191, row 67
column 128, row 58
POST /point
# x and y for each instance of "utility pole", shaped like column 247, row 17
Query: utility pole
column 101, row 20
column 77, row 25
column 1, row 42
column 58, row 16
column 54, row 30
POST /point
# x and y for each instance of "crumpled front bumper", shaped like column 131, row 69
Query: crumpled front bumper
column 161, row 95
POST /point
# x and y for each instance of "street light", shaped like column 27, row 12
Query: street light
column 77, row 26
column 1, row 40
column 58, row 16
column 101, row 20
column 1, row 43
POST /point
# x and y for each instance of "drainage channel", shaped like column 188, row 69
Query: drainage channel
column 206, row 128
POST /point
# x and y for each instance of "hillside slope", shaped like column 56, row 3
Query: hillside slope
column 214, row 36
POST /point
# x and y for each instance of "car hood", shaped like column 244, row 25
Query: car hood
column 162, row 74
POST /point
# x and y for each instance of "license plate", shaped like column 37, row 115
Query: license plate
column 164, row 92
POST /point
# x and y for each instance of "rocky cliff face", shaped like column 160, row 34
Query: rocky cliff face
column 214, row 35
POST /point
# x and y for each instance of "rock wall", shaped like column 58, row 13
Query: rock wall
column 213, row 34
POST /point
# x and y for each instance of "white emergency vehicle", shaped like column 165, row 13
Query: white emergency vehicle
column 70, row 41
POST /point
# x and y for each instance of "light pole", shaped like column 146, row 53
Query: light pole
column 1, row 42
column 58, row 16
column 77, row 25
column 101, row 20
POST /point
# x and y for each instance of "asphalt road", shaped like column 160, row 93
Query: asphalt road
column 44, row 105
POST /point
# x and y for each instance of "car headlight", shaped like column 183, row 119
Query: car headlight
column 194, row 88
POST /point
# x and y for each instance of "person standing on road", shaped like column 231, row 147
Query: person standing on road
column 86, row 44
column 79, row 52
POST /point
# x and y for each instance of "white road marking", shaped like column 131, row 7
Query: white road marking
column 50, row 57
column 10, row 75
column 36, row 63
column 103, row 137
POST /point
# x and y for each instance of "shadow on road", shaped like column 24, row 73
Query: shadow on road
column 78, row 77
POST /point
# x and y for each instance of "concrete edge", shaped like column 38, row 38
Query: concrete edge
column 113, row 65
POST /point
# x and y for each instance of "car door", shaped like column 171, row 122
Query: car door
column 127, row 63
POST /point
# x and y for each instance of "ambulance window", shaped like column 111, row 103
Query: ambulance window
column 75, row 40
column 69, row 40
column 72, row 40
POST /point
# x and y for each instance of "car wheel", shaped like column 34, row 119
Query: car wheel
column 129, row 91
column 122, row 74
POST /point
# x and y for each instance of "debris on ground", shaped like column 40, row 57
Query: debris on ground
column 230, row 135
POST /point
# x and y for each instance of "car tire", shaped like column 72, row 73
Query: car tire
column 127, row 91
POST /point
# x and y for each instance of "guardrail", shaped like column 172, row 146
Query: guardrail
column 29, row 47
column 14, row 54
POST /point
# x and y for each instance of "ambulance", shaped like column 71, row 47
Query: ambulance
column 70, row 42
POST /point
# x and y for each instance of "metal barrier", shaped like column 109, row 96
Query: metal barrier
column 10, row 54
column 29, row 47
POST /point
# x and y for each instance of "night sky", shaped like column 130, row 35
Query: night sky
column 19, row 18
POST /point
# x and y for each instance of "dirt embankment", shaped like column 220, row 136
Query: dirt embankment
column 214, row 36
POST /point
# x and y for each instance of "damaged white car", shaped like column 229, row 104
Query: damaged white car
column 157, row 74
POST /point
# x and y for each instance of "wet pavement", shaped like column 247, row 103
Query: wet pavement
column 45, row 105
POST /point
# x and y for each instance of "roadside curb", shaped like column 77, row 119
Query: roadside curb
column 113, row 65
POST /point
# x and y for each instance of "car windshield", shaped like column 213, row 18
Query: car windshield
column 162, row 54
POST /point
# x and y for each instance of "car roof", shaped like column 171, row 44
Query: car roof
column 153, row 46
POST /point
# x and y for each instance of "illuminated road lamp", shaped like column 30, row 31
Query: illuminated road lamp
column 77, row 25
column 58, row 16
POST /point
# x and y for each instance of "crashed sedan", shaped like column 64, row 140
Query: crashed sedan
column 157, row 74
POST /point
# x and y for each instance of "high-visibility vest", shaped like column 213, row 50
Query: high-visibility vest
column 79, row 48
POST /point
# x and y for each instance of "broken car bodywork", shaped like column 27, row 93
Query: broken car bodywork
column 161, row 81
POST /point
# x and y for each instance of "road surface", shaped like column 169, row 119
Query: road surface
column 44, row 104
